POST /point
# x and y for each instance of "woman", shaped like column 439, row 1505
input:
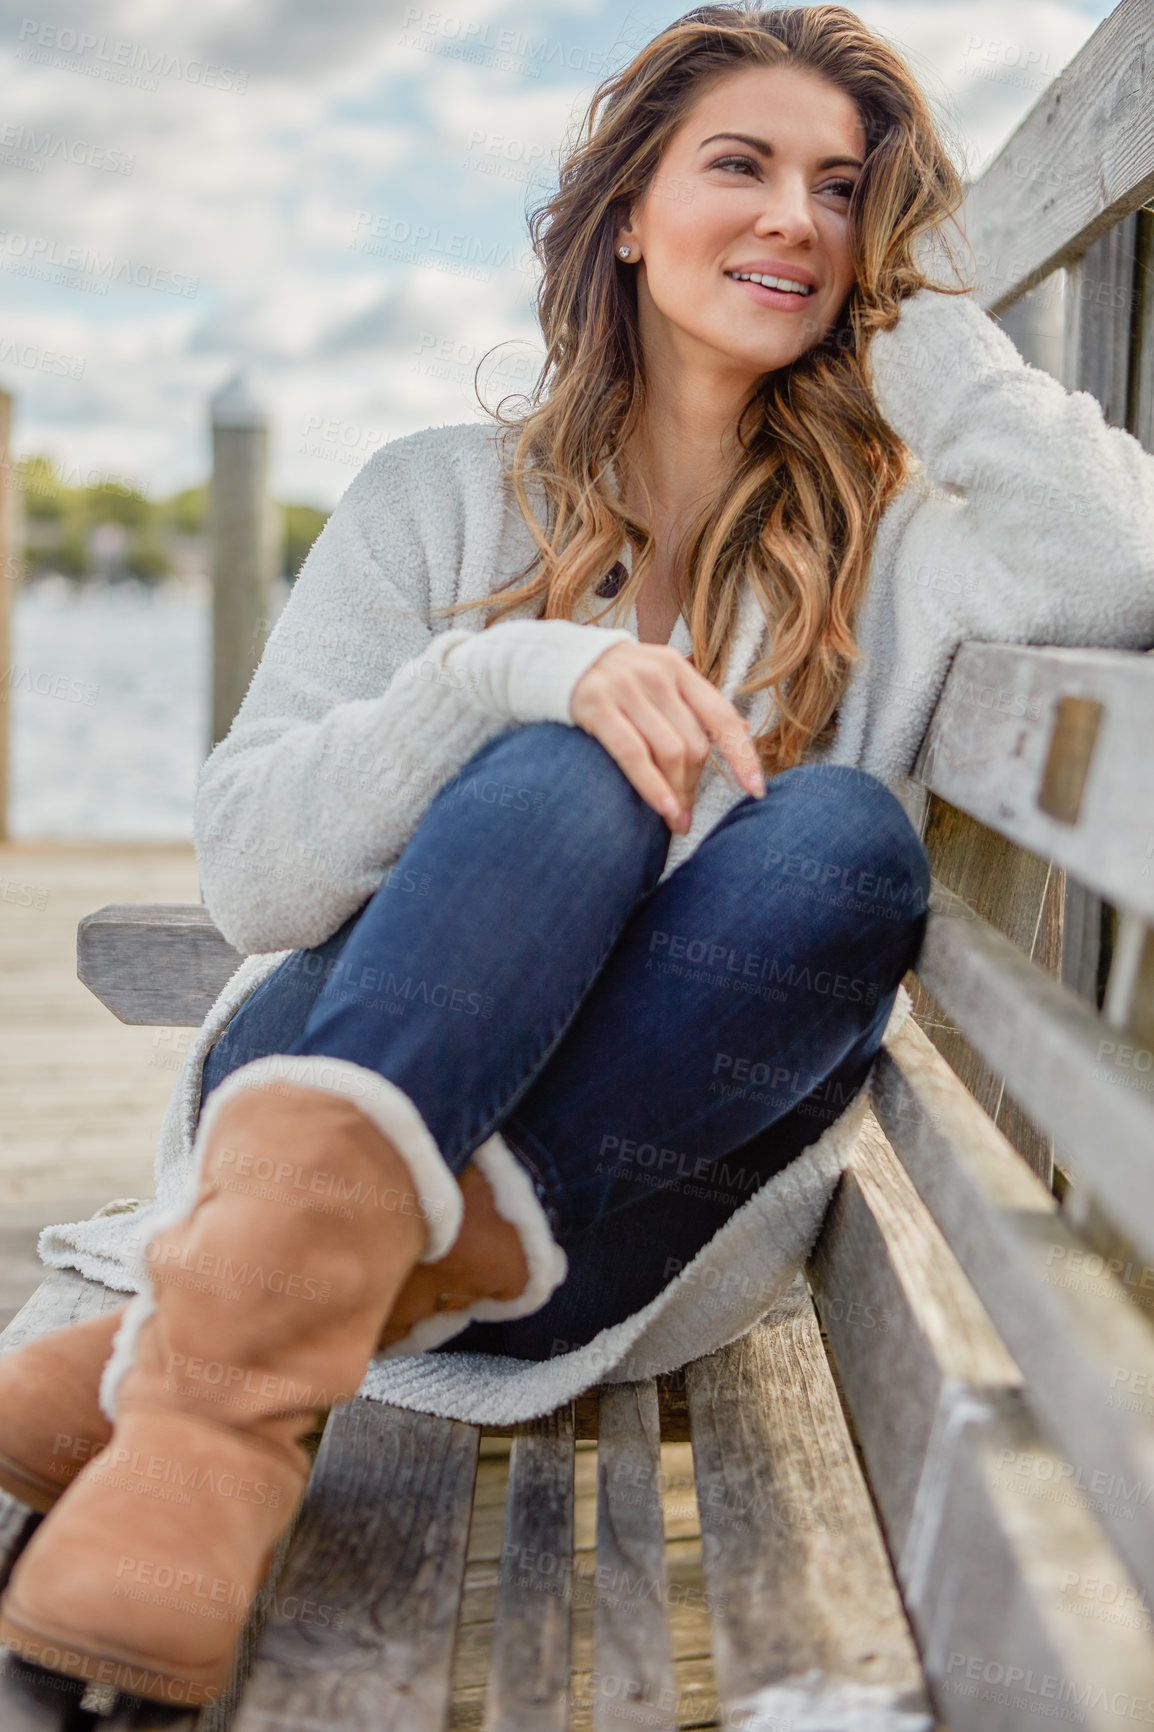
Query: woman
column 573, row 941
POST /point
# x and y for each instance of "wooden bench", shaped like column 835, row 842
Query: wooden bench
column 925, row 1481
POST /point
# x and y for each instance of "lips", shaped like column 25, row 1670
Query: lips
column 781, row 300
column 776, row 268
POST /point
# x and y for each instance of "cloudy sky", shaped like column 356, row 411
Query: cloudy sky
column 334, row 197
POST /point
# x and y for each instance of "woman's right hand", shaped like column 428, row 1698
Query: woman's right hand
column 657, row 717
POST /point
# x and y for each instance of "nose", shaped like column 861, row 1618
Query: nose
column 786, row 211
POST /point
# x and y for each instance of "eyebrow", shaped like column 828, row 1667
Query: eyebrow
column 766, row 149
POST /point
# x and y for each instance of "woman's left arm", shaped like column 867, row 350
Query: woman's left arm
column 1050, row 528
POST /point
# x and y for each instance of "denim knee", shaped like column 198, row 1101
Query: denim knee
column 870, row 832
column 874, row 865
column 539, row 767
column 836, row 835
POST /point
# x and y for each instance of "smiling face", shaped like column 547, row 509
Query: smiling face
column 774, row 200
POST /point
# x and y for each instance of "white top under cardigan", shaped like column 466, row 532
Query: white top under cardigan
column 1025, row 519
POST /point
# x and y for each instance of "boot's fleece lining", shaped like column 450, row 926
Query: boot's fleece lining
column 439, row 1194
column 515, row 1199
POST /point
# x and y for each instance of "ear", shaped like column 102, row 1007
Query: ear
column 623, row 234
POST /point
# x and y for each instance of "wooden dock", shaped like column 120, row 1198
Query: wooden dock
column 81, row 1095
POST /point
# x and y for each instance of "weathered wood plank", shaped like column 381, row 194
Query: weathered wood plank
column 154, row 962
column 634, row 1655
column 808, row 1627
column 1066, row 1068
column 1018, row 893
column 1098, row 307
column 361, row 1629
column 63, row 1297
column 1142, row 362
column 529, row 1680
column 956, row 1464
column 1077, row 1344
column 890, row 1294
column 997, row 728
column 1002, row 1607
column 1082, row 159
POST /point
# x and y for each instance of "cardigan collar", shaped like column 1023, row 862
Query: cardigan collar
column 750, row 625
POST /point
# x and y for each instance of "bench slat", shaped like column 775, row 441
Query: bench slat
column 890, row 1295
column 634, row 1652
column 1018, row 741
column 529, row 1673
column 158, row 963
column 1077, row 1343
column 1011, row 1579
column 808, row 1627
column 362, row 1625
column 64, row 1296
column 1055, row 1054
column 956, row 1461
column 1021, row 896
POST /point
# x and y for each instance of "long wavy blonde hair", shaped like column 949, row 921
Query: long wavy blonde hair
column 797, row 515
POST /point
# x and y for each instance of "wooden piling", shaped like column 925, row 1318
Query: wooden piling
column 7, row 566
column 244, row 547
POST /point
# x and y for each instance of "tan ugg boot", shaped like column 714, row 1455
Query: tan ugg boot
column 319, row 1188
column 51, row 1421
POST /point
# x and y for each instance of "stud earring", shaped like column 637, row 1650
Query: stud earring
column 624, row 251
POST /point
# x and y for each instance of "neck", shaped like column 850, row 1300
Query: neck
column 681, row 454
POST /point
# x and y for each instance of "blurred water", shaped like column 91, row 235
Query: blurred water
column 109, row 692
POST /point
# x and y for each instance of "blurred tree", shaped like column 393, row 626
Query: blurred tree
column 60, row 521
column 41, row 487
column 109, row 502
column 186, row 512
column 302, row 523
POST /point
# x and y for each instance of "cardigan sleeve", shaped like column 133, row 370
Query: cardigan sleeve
column 356, row 715
column 1041, row 528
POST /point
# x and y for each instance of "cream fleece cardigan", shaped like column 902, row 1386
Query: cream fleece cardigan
column 1025, row 518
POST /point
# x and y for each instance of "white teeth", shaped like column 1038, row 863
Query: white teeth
column 771, row 282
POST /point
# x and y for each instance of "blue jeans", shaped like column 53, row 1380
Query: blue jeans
column 651, row 1053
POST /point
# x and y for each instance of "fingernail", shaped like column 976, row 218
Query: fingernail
column 672, row 811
